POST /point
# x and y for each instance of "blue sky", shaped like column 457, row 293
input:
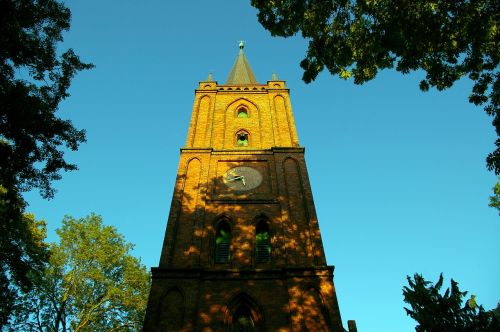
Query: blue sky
column 398, row 175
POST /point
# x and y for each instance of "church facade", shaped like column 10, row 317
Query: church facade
column 242, row 248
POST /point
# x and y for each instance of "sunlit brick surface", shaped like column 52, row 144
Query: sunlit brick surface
column 293, row 291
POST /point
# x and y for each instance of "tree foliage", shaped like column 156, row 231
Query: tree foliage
column 92, row 283
column 434, row 311
column 495, row 199
column 447, row 39
column 34, row 79
column 496, row 311
column 22, row 256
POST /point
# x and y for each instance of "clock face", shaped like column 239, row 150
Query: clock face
column 242, row 178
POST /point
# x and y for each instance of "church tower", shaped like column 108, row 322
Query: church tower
column 242, row 249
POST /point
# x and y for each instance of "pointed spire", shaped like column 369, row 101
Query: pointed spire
column 274, row 77
column 210, row 78
column 241, row 73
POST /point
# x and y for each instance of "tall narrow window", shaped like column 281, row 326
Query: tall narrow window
column 222, row 243
column 262, row 242
column 242, row 113
column 242, row 138
column 243, row 314
column 172, row 309
column 242, row 320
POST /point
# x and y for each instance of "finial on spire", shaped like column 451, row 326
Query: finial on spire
column 210, row 78
column 241, row 73
column 274, row 77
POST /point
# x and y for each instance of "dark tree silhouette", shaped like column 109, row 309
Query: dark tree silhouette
column 34, row 79
column 435, row 312
column 448, row 39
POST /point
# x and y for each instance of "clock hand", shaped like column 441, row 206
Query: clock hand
column 243, row 180
column 236, row 178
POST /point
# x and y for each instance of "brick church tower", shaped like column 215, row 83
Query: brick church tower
column 242, row 249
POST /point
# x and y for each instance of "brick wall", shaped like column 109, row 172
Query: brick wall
column 294, row 290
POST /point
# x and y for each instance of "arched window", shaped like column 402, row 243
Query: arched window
column 242, row 112
column 262, row 242
column 242, row 138
column 243, row 314
column 222, row 242
column 242, row 320
column 172, row 311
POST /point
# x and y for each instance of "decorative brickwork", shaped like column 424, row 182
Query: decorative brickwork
column 242, row 249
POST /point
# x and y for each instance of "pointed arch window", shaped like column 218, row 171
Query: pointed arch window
column 242, row 320
column 242, row 112
column 242, row 138
column 223, row 242
column 262, row 242
column 243, row 314
column 172, row 309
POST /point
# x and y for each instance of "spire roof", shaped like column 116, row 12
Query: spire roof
column 241, row 73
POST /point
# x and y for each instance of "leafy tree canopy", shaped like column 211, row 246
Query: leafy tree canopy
column 23, row 254
column 447, row 39
column 434, row 311
column 34, row 79
column 92, row 283
column 495, row 199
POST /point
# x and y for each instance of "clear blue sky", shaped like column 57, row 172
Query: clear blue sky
column 398, row 175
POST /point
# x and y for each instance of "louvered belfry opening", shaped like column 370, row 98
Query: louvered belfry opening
column 262, row 242
column 223, row 242
column 242, row 138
